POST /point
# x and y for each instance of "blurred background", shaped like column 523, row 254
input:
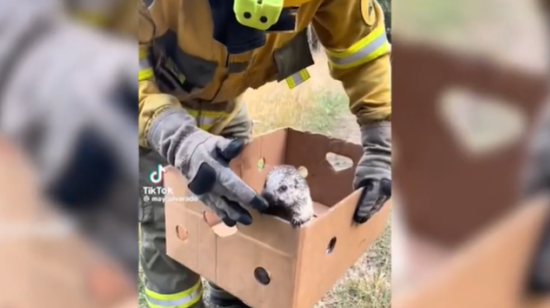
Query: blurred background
column 469, row 87
column 68, row 153
column 469, row 90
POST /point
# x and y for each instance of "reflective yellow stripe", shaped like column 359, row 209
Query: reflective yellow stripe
column 297, row 79
column 183, row 299
column 99, row 19
column 145, row 69
column 369, row 48
column 207, row 119
column 145, row 74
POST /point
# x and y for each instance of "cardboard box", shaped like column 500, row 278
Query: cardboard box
column 269, row 264
column 490, row 270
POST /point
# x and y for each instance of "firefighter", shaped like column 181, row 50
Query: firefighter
column 196, row 60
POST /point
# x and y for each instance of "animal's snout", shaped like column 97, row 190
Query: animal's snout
column 268, row 196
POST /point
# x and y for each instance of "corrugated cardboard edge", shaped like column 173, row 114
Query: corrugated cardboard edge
column 489, row 270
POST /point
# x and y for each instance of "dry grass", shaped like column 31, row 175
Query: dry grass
column 321, row 105
column 367, row 283
column 314, row 105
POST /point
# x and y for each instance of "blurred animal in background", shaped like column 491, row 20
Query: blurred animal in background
column 288, row 195
column 77, row 122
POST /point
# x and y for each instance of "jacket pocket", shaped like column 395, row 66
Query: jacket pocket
column 293, row 57
column 178, row 71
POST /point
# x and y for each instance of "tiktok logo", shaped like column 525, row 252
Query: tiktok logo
column 156, row 176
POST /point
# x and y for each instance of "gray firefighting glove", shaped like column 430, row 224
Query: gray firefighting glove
column 204, row 159
column 373, row 173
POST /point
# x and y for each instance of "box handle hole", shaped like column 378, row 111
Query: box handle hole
column 330, row 246
column 260, row 164
column 182, row 233
column 339, row 162
column 262, row 276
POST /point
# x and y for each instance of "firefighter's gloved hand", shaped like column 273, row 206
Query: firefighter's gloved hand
column 373, row 173
column 204, row 159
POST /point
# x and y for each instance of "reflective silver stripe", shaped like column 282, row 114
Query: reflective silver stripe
column 184, row 301
column 298, row 78
column 206, row 118
column 363, row 52
column 203, row 120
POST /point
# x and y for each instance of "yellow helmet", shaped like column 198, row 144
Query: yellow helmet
column 262, row 15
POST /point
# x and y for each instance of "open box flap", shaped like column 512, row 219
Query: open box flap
column 489, row 271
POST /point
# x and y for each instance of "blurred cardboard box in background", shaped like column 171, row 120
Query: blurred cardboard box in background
column 464, row 101
column 489, row 270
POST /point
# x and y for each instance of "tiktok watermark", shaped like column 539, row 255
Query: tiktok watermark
column 160, row 193
column 164, row 194
column 156, row 176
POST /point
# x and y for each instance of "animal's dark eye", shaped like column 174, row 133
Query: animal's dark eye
column 282, row 188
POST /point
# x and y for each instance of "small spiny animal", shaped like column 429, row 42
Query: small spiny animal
column 288, row 195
